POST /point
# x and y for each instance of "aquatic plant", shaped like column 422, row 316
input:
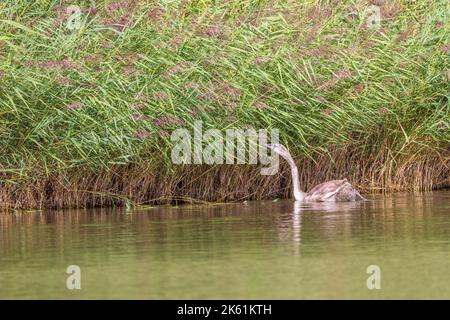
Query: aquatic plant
column 86, row 114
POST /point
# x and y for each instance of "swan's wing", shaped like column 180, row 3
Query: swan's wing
column 327, row 189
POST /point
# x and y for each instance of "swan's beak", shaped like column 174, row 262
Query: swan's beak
column 269, row 146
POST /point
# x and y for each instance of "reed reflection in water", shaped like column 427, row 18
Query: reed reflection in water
column 265, row 249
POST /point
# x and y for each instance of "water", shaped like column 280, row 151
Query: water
column 257, row 250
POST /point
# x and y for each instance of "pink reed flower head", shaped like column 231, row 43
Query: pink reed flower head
column 141, row 134
column 75, row 105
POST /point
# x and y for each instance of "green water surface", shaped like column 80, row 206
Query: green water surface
column 254, row 250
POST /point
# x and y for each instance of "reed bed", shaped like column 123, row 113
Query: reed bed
column 86, row 115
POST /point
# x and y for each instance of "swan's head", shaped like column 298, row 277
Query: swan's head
column 279, row 148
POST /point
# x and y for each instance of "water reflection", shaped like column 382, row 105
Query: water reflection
column 290, row 224
column 386, row 216
column 228, row 243
column 296, row 227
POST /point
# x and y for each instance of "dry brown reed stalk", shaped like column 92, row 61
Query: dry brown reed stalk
column 144, row 185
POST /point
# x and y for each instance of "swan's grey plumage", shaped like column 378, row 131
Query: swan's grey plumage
column 334, row 190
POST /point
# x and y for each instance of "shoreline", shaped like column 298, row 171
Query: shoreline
column 133, row 186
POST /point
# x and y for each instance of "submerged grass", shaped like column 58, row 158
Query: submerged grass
column 86, row 115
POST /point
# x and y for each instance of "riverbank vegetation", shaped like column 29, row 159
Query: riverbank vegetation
column 86, row 111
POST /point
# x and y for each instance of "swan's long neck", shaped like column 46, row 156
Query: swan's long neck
column 299, row 195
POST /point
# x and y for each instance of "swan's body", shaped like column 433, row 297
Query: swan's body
column 334, row 190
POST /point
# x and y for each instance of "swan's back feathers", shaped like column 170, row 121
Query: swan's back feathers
column 329, row 187
column 334, row 190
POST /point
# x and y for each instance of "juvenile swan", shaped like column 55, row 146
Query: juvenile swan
column 334, row 190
